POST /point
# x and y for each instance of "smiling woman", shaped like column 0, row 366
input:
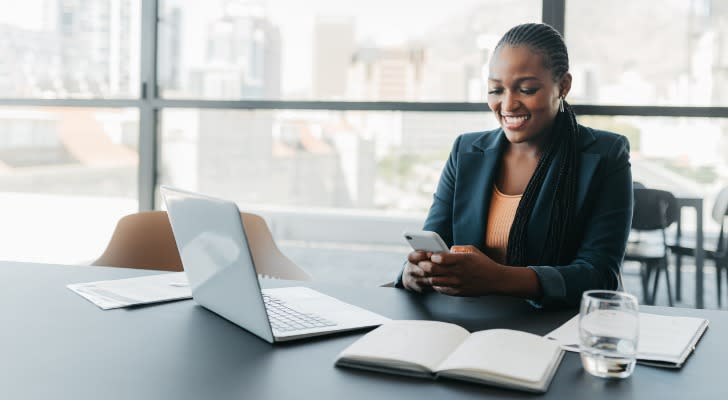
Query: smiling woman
column 524, row 95
column 543, row 204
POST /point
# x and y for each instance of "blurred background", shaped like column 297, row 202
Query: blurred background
column 331, row 118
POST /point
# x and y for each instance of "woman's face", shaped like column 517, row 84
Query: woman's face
column 523, row 94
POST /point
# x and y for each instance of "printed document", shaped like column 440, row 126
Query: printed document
column 133, row 291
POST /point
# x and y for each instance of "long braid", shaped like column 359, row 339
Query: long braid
column 560, row 237
column 561, row 148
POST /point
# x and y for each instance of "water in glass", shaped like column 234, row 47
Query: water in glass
column 608, row 330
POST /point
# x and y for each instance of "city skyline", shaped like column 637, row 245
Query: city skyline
column 237, row 49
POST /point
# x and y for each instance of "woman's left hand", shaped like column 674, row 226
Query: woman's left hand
column 470, row 273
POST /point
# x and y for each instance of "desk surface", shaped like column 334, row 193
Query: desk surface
column 54, row 344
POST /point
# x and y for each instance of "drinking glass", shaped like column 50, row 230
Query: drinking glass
column 608, row 333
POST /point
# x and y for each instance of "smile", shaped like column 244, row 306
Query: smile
column 515, row 119
column 514, row 122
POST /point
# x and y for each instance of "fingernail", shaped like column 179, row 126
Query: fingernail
column 436, row 258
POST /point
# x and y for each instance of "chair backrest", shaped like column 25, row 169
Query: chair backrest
column 720, row 207
column 653, row 209
column 720, row 211
column 144, row 240
column 269, row 261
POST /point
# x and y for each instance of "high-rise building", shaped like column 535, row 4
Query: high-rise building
column 99, row 47
column 242, row 57
column 333, row 48
column 169, row 49
column 386, row 74
column 274, row 158
column 21, row 73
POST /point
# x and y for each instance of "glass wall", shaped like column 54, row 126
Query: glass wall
column 674, row 52
column 67, row 175
column 686, row 156
column 386, row 160
column 332, row 49
column 70, row 49
column 391, row 160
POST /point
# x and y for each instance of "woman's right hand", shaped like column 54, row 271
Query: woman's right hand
column 414, row 277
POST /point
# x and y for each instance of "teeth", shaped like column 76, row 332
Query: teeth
column 514, row 119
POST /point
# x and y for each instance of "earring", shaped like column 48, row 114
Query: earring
column 561, row 104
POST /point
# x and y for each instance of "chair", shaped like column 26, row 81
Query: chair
column 654, row 210
column 719, row 254
column 144, row 240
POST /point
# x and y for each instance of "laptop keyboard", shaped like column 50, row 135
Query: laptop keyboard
column 285, row 319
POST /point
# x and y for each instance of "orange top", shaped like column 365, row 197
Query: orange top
column 500, row 218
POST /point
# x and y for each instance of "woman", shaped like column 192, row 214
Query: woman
column 542, row 205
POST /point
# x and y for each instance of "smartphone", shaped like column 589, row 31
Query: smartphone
column 426, row 241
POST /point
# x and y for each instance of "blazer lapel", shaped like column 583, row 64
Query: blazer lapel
column 589, row 163
column 474, row 186
column 587, row 168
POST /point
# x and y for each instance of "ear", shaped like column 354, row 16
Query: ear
column 565, row 84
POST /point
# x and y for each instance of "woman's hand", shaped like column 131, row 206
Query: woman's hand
column 464, row 273
column 468, row 272
column 414, row 277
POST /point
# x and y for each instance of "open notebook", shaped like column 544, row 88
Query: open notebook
column 432, row 349
column 664, row 341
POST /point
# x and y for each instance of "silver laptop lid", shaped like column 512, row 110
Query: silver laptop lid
column 217, row 259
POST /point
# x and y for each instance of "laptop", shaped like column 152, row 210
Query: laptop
column 221, row 271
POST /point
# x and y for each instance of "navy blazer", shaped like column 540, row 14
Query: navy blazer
column 459, row 211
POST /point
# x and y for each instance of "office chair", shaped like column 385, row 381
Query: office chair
column 654, row 210
column 719, row 254
column 144, row 240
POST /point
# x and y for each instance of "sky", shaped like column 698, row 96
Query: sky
column 26, row 14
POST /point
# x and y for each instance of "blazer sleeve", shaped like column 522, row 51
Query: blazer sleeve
column 604, row 237
column 439, row 218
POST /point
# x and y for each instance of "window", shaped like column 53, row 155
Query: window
column 663, row 158
column 639, row 53
column 332, row 50
column 67, row 175
column 70, row 49
column 387, row 160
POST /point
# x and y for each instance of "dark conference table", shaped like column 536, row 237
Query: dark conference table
column 55, row 344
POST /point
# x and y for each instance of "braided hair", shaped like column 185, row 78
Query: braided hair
column 562, row 148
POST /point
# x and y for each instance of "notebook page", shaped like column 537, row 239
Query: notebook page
column 513, row 355
column 666, row 338
column 423, row 343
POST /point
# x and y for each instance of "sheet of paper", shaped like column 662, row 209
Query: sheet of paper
column 132, row 291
